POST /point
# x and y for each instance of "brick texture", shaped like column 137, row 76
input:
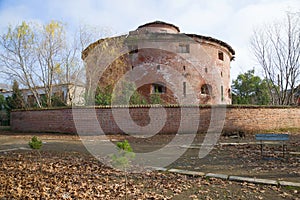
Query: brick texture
column 177, row 119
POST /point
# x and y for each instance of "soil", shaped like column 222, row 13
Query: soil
column 79, row 174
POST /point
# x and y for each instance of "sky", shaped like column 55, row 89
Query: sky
column 231, row 21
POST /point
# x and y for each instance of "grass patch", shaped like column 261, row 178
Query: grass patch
column 289, row 187
column 284, row 130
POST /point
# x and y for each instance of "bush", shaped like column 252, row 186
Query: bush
column 35, row 143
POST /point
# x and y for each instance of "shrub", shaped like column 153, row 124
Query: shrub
column 35, row 143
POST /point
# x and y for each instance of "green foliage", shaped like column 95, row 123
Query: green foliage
column 4, row 112
column 35, row 143
column 3, row 103
column 125, row 146
column 124, row 94
column 250, row 89
column 137, row 99
column 57, row 101
column 122, row 159
column 155, row 99
column 125, row 154
column 16, row 100
column 103, row 96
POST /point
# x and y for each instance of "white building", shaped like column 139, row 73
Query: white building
column 69, row 93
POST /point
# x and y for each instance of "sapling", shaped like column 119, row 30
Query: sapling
column 36, row 144
column 122, row 159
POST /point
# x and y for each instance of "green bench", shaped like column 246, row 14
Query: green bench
column 272, row 138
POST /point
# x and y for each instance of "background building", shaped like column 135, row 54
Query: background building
column 68, row 94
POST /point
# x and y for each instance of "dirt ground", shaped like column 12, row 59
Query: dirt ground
column 232, row 156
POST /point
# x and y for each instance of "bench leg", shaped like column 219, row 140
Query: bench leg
column 284, row 149
column 261, row 149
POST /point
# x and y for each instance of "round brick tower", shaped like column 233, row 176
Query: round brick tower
column 180, row 68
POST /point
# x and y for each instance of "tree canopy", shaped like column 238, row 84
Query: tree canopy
column 250, row 89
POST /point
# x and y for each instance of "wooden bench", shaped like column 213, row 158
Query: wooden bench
column 272, row 138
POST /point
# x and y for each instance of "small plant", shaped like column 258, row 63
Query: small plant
column 122, row 159
column 35, row 143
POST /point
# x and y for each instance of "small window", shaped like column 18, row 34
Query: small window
column 158, row 67
column 184, row 89
column 222, row 93
column 221, row 74
column 205, row 69
column 158, row 88
column 183, row 68
column 206, row 89
column 221, row 55
column 133, row 49
column 184, row 48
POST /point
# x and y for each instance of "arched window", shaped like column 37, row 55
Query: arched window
column 229, row 93
column 133, row 49
column 206, row 89
column 158, row 88
column 220, row 55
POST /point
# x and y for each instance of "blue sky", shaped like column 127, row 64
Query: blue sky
column 231, row 21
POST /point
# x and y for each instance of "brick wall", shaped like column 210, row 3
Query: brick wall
column 248, row 119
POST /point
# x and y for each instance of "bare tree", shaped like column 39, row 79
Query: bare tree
column 277, row 50
column 17, row 56
column 49, row 50
column 39, row 56
column 72, row 66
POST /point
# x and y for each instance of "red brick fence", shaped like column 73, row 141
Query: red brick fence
column 241, row 118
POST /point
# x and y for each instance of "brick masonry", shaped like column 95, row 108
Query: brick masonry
column 158, row 58
column 247, row 119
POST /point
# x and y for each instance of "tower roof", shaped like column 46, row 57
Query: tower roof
column 155, row 23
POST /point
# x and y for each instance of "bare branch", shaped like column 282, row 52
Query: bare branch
column 276, row 48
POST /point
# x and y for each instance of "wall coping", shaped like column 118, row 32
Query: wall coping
column 163, row 106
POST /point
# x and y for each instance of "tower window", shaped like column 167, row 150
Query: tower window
column 158, row 67
column 205, row 69
column 206, row 89
column 222, row 93
column 183, row 68
column 133, row 49
column 158, row 88
column 184, row 48
column 221, row 55
column 184, row 89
